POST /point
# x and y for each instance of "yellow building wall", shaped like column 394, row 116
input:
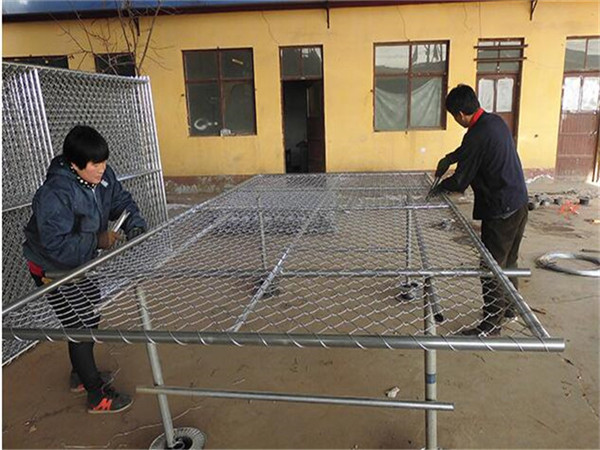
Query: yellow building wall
column 351, row 142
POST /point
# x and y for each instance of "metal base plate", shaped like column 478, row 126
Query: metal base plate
column 185, row 438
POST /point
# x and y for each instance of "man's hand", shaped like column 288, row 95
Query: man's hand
column 442, row 167
column 437, row 190
column 135, row 232
column 106, row 239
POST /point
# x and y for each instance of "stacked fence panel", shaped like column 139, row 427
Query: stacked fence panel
column 40, row 105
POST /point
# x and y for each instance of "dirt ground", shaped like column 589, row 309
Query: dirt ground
column 502, row 400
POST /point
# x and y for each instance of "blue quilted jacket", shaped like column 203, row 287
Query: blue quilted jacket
column 67, row 217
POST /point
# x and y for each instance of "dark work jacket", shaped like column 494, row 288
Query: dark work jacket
column 67, row 217
column 488, row 161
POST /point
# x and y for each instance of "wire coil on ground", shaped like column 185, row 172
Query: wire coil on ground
column 549, row 261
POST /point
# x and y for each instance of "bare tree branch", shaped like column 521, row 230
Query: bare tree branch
column 149, row 37
column 99, row 34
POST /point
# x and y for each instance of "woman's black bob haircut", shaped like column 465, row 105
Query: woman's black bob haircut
column 84, row 144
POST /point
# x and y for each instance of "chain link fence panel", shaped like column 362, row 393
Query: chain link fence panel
column 349, row 260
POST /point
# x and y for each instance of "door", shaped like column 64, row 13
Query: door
column 578, row 131
column 302, row 109
column 498, row 94
column 315, row 130
column 499, row 63
column 577, row 152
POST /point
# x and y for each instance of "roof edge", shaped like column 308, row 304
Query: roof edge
column 205, row 9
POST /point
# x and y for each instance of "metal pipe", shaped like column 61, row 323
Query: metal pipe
column 300, row 398
column 120, row 178
column 455, row 343
column 191, row 273
column 154, row 138
column 408, row 239
column 263, row 246
column 430, row 365
column 345, row 209
column 432, row 295
column 163, row 403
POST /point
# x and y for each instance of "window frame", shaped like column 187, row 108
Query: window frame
column 500, row 59
column 220, row 83
column 584, row 69
column 283, row 77
column 14, row 59
column 579, row 73
column 104, row 56
column 409, row 74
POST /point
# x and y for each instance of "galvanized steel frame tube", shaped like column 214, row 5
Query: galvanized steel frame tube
column 431, row 314
column 298, row 398
column 454, row 343
column 466, row 273
column 149, row 106
column 163, row 403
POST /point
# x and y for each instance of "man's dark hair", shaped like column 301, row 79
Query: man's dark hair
column 462, row 99
column 84, row 144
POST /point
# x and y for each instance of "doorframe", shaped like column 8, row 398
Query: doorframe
column 301, row 78
column 596, row 160
column 518, row 75
column 566, row 73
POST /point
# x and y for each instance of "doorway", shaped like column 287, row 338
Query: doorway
column 577, row 153
column 302, row 109
column 499, row 64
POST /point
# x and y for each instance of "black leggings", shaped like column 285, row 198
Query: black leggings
column 74, row 305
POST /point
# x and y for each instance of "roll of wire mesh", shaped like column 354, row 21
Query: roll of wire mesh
column 549, row 261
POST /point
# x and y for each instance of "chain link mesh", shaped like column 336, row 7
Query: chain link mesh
column 305, row 255
column 39, row 106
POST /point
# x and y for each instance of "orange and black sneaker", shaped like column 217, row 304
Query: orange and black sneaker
column 76, row 385
column 108, row 401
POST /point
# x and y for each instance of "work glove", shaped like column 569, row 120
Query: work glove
column 435, row 191
column 443, row 166
column 106, row 239
column 135, row 232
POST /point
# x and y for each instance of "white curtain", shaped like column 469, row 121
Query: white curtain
column 426, row 104
column 391, row 110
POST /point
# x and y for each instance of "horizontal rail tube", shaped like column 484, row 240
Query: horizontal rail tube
column 299, row 398
column 345, row 273
column 524, row 344
column 120, row 178
column 325, row 208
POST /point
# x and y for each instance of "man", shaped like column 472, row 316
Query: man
column 489, row 163
column 69, row 224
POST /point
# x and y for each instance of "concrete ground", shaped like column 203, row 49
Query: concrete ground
column 502, row 400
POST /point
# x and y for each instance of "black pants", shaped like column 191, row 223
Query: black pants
column 74, row 305
column 502, row 237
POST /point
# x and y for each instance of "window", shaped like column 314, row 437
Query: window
column 582, row 54
column 60, row 61
column 500, row 56
column 115, row 64
column 219, row 87
column 301, row 63
column 411, row 81
column 581, row 85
